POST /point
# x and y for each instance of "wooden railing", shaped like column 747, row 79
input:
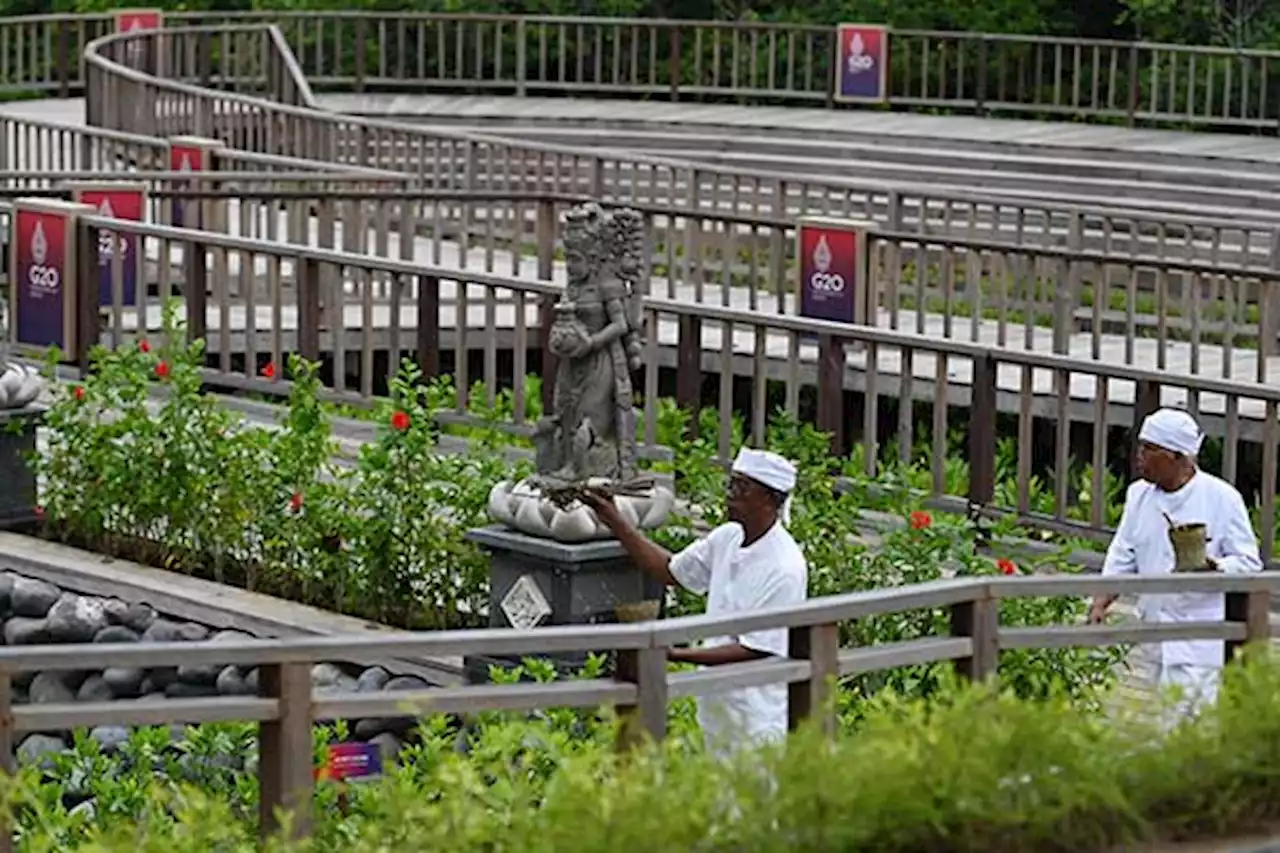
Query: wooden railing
column 639, row 687
column 349, row 306
column 982, row 73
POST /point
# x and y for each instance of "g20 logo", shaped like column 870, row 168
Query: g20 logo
column 43, row 278
column 827, row 282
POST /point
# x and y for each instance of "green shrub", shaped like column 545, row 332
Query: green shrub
column 968, row 770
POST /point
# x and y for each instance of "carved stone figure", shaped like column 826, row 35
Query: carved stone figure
column 19, row 385
column 589, row 438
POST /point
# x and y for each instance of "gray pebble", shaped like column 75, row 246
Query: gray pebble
column 95, row 689
column 32, row 598
column 208, row 673
column 388, row 744
column 75, row 619
column 25, row 631
column 184, row 690
column 345, row 684
column 406, row 682
column 158, row 679
column 6, row 591
column 38, row 749
column 231, row 683
column 251, row 682
column 372, row 680
column 139, row 617
column 125, row 681
column 48, row 687
column 162, row 631
column 110, row 738
column 116, row 634
column 326, row 674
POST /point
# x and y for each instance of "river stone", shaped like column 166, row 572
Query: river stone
column 39, row 749
column 207, row 673
column 191, row 632
column 388, row 744
column 162, row 631
column 110, row 738
column 344, row 684
column 372, row 680
column 326, row 675
column 95, row 689
column 158, row 679
column 32, row 598
column 116, row 634
column 76, row 619
column 251, row 682
column 186, row 690
column 231, row 683
column 137, row 617
column 371, row 728
column 125, row 681
column 48, row 687
column 6, row 591
column 25, row 631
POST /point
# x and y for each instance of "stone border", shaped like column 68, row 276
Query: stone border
column 217, row 605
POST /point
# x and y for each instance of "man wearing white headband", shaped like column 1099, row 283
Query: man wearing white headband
column 1172, row 489
column 749, row 563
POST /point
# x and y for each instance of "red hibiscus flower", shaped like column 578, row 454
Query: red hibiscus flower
column 162, row 370
column 79, row 393
column 143, row 346
column 920, row 520
column 295, row 502
column 269, row 372
column 40, row 513
column 1007, row 567
column 400, row 421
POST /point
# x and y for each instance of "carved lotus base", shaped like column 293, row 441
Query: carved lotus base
column 522, row 506
column 19, row 386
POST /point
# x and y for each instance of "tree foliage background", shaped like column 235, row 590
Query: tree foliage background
column 1233, row 23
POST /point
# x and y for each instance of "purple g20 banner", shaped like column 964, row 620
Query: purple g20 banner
column 832, row 260
column 862, row 63
column 40, row 277
column 123, row 203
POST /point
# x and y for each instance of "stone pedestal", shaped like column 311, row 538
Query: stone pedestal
column 17, row 479
column 539, row 582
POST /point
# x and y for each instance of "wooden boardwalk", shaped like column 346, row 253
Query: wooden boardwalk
column 259, row 335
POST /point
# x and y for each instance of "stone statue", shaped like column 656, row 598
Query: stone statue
column 19, row 385
column 589, row 438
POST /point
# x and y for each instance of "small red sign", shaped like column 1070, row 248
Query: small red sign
column 40, row 244
column 351, row 762
column 129, row 20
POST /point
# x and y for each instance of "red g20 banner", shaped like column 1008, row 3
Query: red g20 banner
column 186, row 157
column 129, row 20
column 40, row 268
column 127, row 202
column 833, row 269
column 862, row 63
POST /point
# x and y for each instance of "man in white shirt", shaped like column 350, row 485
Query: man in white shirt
column 749, row 563
column 1172, row 489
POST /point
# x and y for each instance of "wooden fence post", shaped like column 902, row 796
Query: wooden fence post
column 428, row 344
column 285, row 776
column 979, row 620
column 647, row 718
column 1253, row 610
column 689, row 369
column 311, row 310
column 820, row 645
column 982, row 431
column 831, row 366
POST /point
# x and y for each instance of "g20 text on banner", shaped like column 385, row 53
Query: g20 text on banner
column 861, row 64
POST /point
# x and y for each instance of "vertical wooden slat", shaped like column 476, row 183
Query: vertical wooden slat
column 820, row 645
column 978, row 620
column 285, row 757
column 646, row 720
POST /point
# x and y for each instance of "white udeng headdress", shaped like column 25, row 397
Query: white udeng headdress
column 771, row 470
column 1173, row 430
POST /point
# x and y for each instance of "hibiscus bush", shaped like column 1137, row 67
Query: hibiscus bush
column 177, row 481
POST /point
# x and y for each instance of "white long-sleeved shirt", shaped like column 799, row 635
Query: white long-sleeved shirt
column 1141, row 546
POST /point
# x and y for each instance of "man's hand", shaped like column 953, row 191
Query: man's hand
column 602, row 505
column 1098, row 610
